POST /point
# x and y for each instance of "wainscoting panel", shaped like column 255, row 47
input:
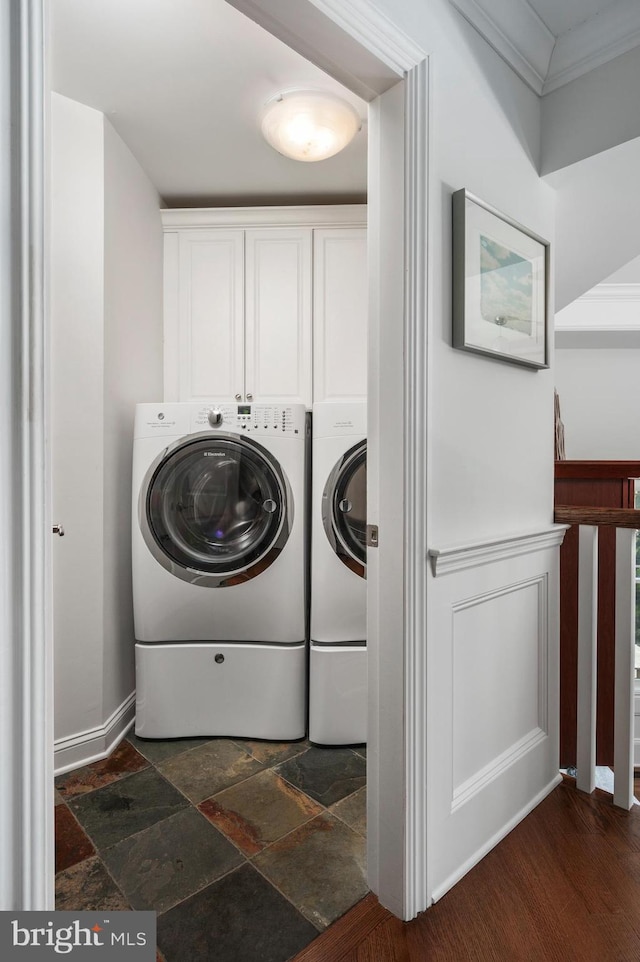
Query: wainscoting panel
column 492, row 685
column 499, row 658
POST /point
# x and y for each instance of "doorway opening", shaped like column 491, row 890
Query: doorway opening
column 105, row 256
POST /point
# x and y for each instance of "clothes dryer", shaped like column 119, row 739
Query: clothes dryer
column 338, row 655
column 219, row 569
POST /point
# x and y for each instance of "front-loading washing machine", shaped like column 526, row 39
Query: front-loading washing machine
column 219, row 569
column 338, row 652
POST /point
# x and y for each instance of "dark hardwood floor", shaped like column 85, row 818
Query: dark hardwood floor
column 564, row 885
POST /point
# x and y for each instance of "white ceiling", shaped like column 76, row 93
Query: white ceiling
column 184, row 82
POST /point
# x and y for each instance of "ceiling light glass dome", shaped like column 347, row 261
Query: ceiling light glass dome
column 309, row 125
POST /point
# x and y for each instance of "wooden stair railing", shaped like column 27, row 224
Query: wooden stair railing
column 626, row 521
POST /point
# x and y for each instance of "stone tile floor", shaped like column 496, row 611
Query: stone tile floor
column 247, row 850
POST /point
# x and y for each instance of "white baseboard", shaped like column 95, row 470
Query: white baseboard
column 74, row 751
column 485, row 849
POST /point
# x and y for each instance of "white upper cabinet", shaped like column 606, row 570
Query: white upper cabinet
column 278, row 315
column 340, row 314
column 208, row 318
column 265, row 303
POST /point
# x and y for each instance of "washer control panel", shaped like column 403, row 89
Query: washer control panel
column 178, row 418
column 252, row 419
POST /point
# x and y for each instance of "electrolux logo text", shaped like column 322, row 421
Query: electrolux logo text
column 125, row 936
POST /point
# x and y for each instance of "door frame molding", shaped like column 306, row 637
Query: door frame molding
column 355, row 34
column 26, row 674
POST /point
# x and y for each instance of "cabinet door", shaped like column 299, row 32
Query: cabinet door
column 210, row 315
column 340, row 314
column 278, row 315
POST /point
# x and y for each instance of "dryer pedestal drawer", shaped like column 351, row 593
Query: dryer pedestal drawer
column 213, row 688
column 338, row 694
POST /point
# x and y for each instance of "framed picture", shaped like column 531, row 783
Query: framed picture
column 500, row 285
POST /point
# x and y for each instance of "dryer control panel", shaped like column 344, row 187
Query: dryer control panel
column 271, row 420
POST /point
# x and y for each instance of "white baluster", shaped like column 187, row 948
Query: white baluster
column 625, row 668
column 587, row 657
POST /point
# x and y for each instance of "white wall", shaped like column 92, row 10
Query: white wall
column 77, row 315
column 598, row 213
column 593, row 113
column 490, row 445
column 599, row 391
column 132, row 373
column 106, row 280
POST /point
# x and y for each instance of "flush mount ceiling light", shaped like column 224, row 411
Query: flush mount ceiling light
column 309, row 125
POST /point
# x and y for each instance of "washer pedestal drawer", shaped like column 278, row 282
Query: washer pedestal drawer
column 213, row 688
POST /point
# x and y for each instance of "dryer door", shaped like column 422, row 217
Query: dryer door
column 215, row 510
column 344, row 508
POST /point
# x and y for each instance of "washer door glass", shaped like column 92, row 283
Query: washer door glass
column 216, row 505
column 348, row 498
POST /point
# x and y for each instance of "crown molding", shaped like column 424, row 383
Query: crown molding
column 328, row 215
column 613, row 292
column 596, row 41
column 605, row 308
column 544, row 62
column 516, row 33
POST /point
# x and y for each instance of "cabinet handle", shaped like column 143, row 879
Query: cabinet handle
column 249, row 397
column 238, row 397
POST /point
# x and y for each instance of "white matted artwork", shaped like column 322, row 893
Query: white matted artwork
column 500, row 285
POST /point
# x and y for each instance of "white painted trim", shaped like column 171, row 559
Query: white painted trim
column 373, row 29
column 544, row 62
column 345, row 215
column 624, row 690
column 613, row 293
column 614, row 31
column 351, row 41
column 516, row 33
column 496, row 767
column 458, row 557
column 26, row 691
column 416, row 407
column 92, row 745
column 460, row 872
column 587, row 657
column 605, row 308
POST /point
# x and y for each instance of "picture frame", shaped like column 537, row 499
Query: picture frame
column 500, row 285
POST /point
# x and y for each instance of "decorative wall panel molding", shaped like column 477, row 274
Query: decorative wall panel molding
column 458, row 557
column 467, row 790
column 499, row 641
